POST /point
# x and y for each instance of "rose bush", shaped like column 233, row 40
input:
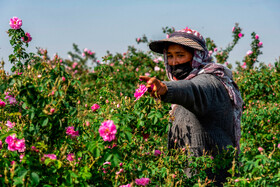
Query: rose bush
column 66, row 123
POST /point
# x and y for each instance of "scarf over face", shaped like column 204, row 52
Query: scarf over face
column 202, row 63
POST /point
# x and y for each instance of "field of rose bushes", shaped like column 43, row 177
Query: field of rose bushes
column 64, row 123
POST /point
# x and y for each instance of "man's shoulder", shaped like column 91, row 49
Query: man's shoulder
column 206, row 78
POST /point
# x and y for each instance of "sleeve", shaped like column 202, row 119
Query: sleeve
column 196, row 94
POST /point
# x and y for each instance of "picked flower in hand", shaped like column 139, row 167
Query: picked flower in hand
column 140, row 91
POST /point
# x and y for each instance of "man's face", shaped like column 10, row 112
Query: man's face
column 177, row 54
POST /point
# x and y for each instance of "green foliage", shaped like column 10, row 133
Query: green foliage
column 53, row 94
column 222, row 55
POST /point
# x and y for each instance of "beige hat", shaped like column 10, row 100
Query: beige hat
column 182, row 38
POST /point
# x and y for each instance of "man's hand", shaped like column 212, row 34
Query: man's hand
column 155, row 86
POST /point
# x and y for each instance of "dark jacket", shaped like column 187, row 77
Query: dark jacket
column 203, row 117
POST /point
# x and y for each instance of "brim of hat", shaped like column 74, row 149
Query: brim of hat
column 160, row 45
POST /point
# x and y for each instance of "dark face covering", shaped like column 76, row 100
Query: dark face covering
column 181, row 71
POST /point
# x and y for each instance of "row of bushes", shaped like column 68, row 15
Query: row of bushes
column 53, row 111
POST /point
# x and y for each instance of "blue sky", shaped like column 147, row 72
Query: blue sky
column 102, row 25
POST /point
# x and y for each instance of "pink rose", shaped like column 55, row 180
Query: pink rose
column 94, row 107
column 249, row 52
column 51, row 156
column 233, row 28
column 138, row 39
column 157, row 153
column 52, row 110
column 15, row 23
column 257, row 37
column 21, row 157
column 1, row 144
column 2, row 103
column 278, row 146
column 70, row 131
column 70, row 157
column 105, row 163
column 260, row 149
column 240, row 35
column 29, row 38
column 140, row 91
column 33, row 148
column 63, row 79
column 11, row 100
column 142, row 181
column 155, row 60
column 215, row 50
column 160, row 58
column 127, row 185
column 107, row 130
column 156, row 68
column 74, row 65
column 10, row 124
column 15, row 144
column 260, row 44
column 119, row 172
column 244, row 66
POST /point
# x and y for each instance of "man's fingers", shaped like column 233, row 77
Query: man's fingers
column 145, row 78
column 153, row 85
column 153, row 90
column 152, row 80
column 160, row 91
column 150, row 87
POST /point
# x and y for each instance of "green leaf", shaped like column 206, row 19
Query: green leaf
column 45, row 122
column 74, row 174
column 32, row 115
column 24, row 105
column 35, row 179
column 96, row 152
column 73, row 111
column 47, row 161
column 155, row 120
column 17, row 181
column 58, row 164
column 128, row 136
column 86, row 175
column 22, row 172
